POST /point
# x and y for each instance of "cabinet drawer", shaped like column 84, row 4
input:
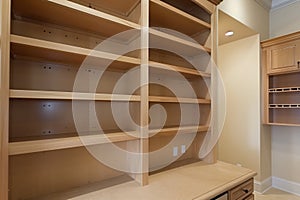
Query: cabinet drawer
column 242, row 191
column 251, row 197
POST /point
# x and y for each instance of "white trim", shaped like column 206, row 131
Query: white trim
column 282, row 4
column 287, row 186
column 262, row 187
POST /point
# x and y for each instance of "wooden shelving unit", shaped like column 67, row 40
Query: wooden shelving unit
column 47, row 41
column 281, row 80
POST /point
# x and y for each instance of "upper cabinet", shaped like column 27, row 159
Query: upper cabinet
column 281, row 80
column 282, row 56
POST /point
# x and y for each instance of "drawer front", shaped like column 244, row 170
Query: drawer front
column 250, row 197
column 242, row 191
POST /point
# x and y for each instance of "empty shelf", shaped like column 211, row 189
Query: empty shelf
column 34, row 94
column 24, row 147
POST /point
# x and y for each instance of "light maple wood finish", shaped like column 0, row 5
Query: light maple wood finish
column 180, row 45
column 144, row 106
column 176, row 19
column 209, row 7
column 37, row 151
column 178, row 99
column 178, row 69
column 199, row 181
column 60, row 52
column 16, row 148
column 31, row 94
column 123, row 8
column 64, row 12
column 4, row 97
column 242, row 191
column 281, row 67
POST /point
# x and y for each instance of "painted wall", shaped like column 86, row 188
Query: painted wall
column 286, row 140
column 285, row 20
column 239, row 66
column 250, row 13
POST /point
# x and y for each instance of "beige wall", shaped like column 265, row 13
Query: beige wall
column 250, row 13
column 286, row 140
column 285, row 20
column 239, row 66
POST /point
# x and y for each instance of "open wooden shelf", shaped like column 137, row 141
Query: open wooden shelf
column 283, row 124
column 284, row 106
column 179, row 45
column 34, row 94
column 167, row 16
column 169, row 131
column 63, row 13
column 183, row 70
column 284, row 89
column 178, row 100
column 33, row 146
column 58, row 52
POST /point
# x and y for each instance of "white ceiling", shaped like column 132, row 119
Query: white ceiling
column 274, row 4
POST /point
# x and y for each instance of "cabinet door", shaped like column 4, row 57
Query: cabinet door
column 284, row 57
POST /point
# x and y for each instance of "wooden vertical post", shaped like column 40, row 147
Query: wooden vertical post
column 144, row 79
column 4, row 97
column 212, row 156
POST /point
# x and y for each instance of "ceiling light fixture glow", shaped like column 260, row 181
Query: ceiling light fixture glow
column 229, row 33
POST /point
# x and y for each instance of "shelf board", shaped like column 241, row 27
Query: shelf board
column 179, row 45
column 183, row 70
column 178, row 100
column 284, row 90
column 169, row 131
column 63, row 12
column 34, row 146
column 282, row 124
column 34, row 94
column 284, row 106
column 167, row 16
column 31, row 47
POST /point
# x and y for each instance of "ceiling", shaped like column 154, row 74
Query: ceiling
column 227, row 23
column 274, row 4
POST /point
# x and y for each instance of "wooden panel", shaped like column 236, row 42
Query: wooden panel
column 31, row 94
column 179, row 69
column 285, row 98
column 33, row 146
column 4, row 96
column 284, row 116
column 209, row 7
column 59, row 52
column 63, row 12
column 166, row 16
column 28, row 74
column 55, row 171
column 116, row 7
column 283, row 57
column 177, row 44
column 242, row 191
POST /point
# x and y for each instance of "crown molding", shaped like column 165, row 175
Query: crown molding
column 276, row 4
column 266, row 4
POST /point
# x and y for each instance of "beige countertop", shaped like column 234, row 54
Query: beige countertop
column 195, row 181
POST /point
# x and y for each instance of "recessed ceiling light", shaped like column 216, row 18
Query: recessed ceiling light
column 229, row 33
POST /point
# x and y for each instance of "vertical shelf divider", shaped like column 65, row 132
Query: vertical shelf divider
column 142, row 178
column 4, row 96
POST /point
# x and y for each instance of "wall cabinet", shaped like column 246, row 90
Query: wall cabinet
column 281, row 75
column 283, row 57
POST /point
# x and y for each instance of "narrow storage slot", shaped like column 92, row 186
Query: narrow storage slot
column 285, row 116
column 284, row 98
